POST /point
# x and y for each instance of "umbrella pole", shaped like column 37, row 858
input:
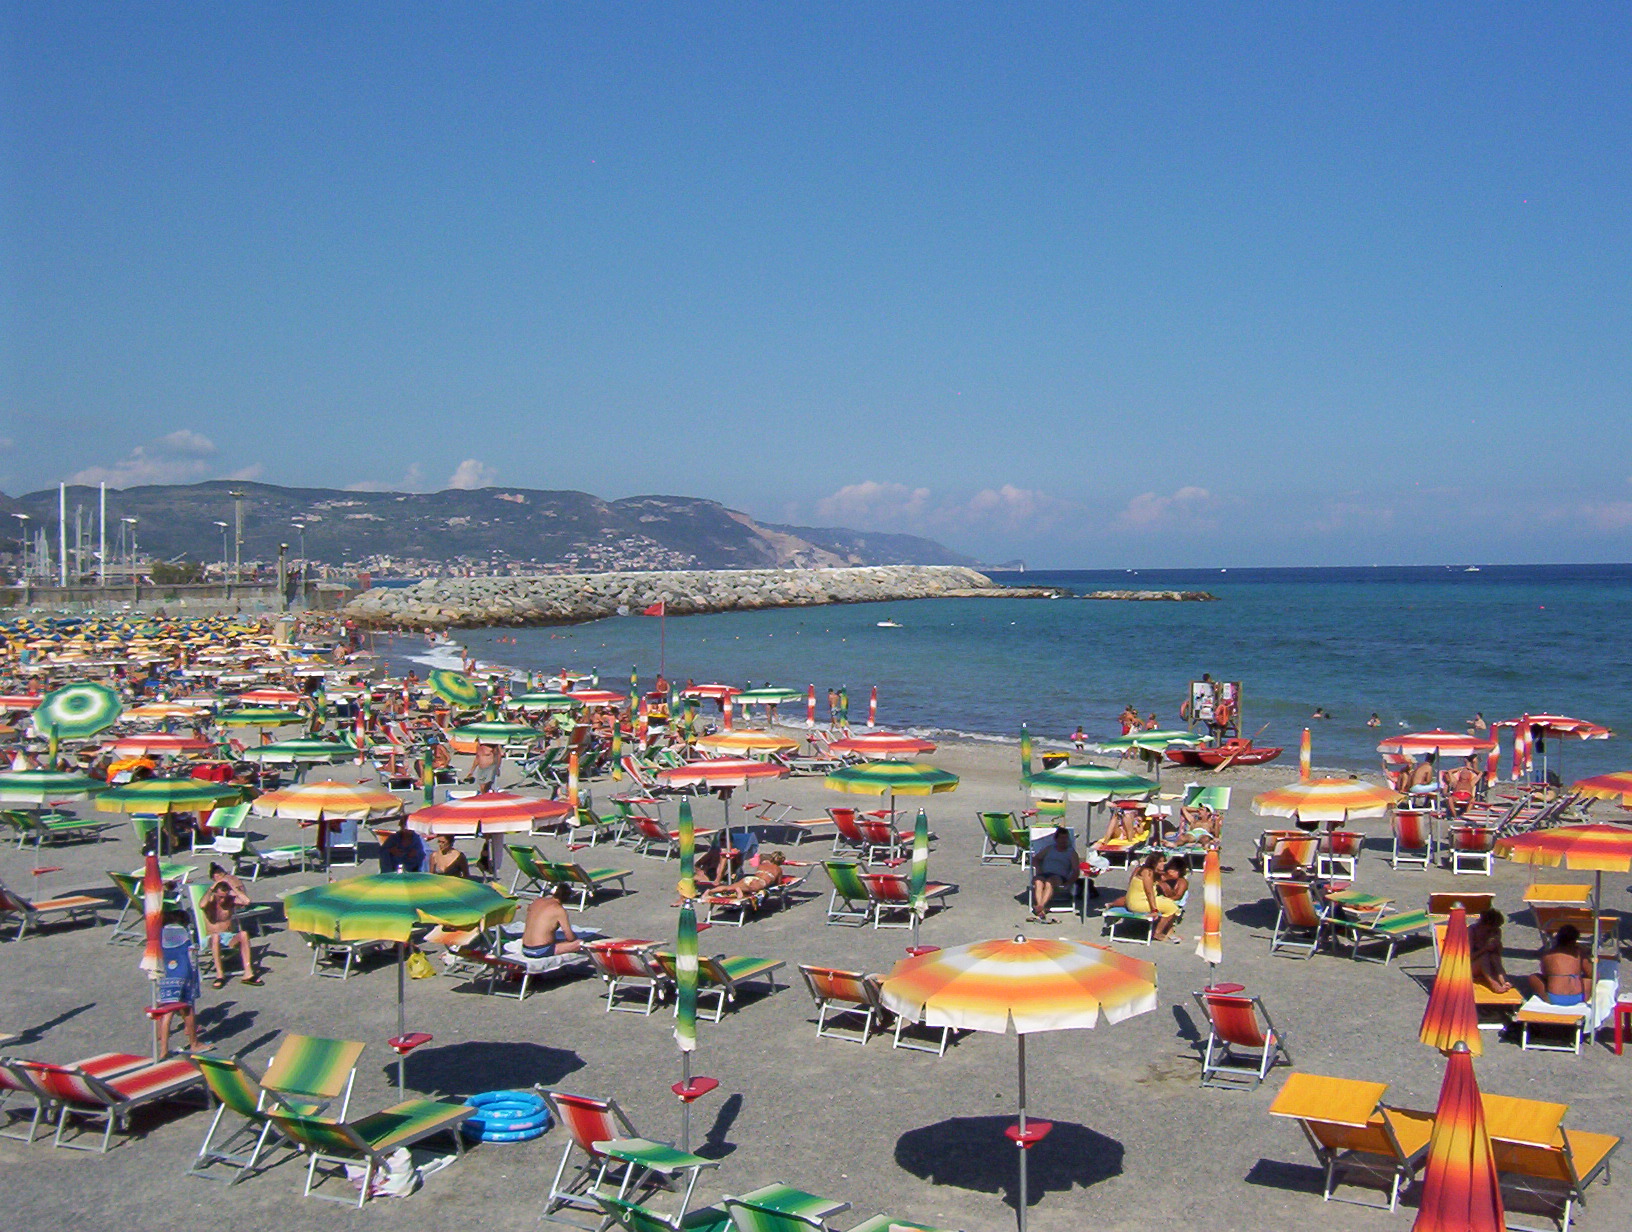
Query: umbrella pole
column 685, row 1104
column 1022, row 1141
column 402, row 1029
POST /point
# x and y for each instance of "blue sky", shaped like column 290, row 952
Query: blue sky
column 1087, row 284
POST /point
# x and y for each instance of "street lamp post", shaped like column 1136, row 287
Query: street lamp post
column 237, row 536
column 225, row 560
column 22, row 536
column 130, row 545
column 300, row 528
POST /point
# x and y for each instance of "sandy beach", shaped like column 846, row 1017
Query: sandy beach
column 1136, row 1140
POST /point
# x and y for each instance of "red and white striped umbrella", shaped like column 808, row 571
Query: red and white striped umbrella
column 160, row 744
column 494, row 812
column 18, row 701
column 715, row 692
column 1449, row 744
column 598, row 697
column 153, row 917
column 721, row 772
column 1559, row 727
column 270, row 696
column 884, row 746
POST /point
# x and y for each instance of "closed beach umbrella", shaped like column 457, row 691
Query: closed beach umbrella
column 1598, row 848
column 1306, row 754
column 685, row 1009
column 918, row 875
column 388, row 907
column 1031, row 985
column 1210, row 949
column 1451, row 1019
column 455, row 688
column 39, row 788
column 1461, row 1189
column 76, row 711
column 688, row 852
column 746, row 742
column 1325, row 800
column 884, row 746
column 1444, row 743
column 1616, row 787
column 152, row 916
column 1025, row 755
column 1093, row 784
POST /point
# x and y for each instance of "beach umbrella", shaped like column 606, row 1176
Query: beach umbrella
column 1149, row 744
column 152, row 916
column 495, row 732
column 1556, row 726
column 19, row 701
column 918, row 875
column 685, row 1010
column 259, row 716
column 388, row 907
column 1031, row 985
column 76, row 711
column 326, row 801
column 572, row 779
column 1094, row 784
column 152, row 712
column 270, row 695
column 598, row 699
column 1616, row 787
column 884, row 746
column 160, row 744
column 1443, row 743
column 487, row 815
column 39, row 788
column 617, row 753
column 1493, row 764
column 299, row 752
column 1597, row 847
column 455, row 688
column 1325, row 800
column 1461, row 1188
column 1025, row 755
column 897, row 778
column 713, row 692
column 174, row 795
column 767, row 696
column 1210, row 948
column 540, row 701
column 723, row 775
column 688, row 852
column 810, row 706
column 1451, row 1019
column 747, row 742
column 1306, row 753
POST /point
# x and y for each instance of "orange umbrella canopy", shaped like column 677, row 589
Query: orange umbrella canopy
column 1616, row 787
column 1599, row 848
column 1451, row 1018
column 1460, row 1190
column 310, row 801
column 1324, row 800
column 1210, row 948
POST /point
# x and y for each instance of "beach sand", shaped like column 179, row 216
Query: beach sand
column 1137, row 1143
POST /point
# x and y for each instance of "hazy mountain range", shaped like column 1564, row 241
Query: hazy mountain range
column 502, row 527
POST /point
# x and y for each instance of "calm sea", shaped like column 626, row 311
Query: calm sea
column 1422, row 647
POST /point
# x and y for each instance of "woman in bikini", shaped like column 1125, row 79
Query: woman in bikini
column 768, row 874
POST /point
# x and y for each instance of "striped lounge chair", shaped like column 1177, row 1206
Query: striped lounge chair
column 844, row 994
column 723, row 976
column 35, row 912
column 614, row 1153
column 14, row 1083
column 371, row 1140
column 1242, row 1043
column 74, row 1092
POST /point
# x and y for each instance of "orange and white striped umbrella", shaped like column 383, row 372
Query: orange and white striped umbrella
column 161, row 744
column 1448, row 744
column 493, row 812
column 1325, row 800
column 1616, row 787
column 747, row 742
column 884, row 746
column 1037, row 985
column 1460, row 1188
column 326, row 800
column 1599, row 848
column 722, row 772
column 153, row 917
column 1451, row 1018
column 1306, row 753
column 270, row 695
column 1210, row 948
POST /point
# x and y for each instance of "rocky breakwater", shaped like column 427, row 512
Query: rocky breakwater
column 1155, row 596
column 569, row 598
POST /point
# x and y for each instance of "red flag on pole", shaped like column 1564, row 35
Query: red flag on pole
column 655, row 610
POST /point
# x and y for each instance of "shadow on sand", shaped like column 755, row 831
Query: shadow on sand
column 470, row 1068
column 972, row 1153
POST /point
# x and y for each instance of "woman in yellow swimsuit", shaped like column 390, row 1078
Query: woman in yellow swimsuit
column 1147, row 899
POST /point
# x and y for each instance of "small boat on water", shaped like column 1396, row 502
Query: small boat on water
column 1237, row 752
column 888, row 624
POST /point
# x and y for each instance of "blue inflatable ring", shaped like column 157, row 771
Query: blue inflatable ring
column 506, row 1116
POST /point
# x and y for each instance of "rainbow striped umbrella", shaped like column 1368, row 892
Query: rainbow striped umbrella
column 1093, row 784
column 747, row 742
column 1210, row 949
column 260, row 716
column 1616, row 786
column 184, row 795
column 722, row 772
column 884, row 746
column 327, row 800
column 1461, row 1190
column 1035, row 985
column 42, row 787
column 1448, row 744
column 897, row 778
column 76, row 711
column 152, row 916
column 1325, row 800
column 455, row 688
column 1558, row 726
column 1450, row 1019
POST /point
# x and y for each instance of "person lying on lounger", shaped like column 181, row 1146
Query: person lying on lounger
column 1200, row 822
column 756, row 881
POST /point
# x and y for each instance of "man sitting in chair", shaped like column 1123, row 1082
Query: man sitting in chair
column 1199, row 823
column 1054, row 866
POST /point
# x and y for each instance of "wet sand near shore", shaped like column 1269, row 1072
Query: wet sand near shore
column 1136, row 1143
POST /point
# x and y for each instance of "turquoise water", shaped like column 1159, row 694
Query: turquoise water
column 1421, row 647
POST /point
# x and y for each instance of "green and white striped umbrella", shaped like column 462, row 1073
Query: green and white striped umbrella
column 918, row 875
column 541, row 701
column 167, row 796
column 41, row 787
column 685, row 979
column 1155, row 741
column 455, row 688
column 259, row 716
column 388, row 906
column 76, row 711
column 293, row 752
column 495, row 733
column 768, row 697
column 897, row 778
column 1025, row 755
column 688, row 852
column 1089, row 783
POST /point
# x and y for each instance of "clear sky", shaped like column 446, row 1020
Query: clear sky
column 1184, row 284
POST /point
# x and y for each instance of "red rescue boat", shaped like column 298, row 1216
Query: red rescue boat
column 1236, row 752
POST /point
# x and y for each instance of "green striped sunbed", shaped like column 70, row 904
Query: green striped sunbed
column 371, row 1140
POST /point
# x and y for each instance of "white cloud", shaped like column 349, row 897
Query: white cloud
column 1607, row 515
column 872, row 502
column 1188, row 507
column 871, row 505
column 1012, row 508
column 183, row 456
column 413, row 480
column 472, row 473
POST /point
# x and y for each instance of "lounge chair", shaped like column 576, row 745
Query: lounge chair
column 891, row 893
column 630, row 966
column 1338, row 855
column 844, row 993
column 1291, row 857
column 228, row 820
column 723, row 976
column 1238, row 1025
column 244, row 853
column 848, row 835
column 77, row 1093
column 1472, row 902
column 657, row 841
column 1386, row 931
column 1538, row 1157
column 1413, row 839
column 248, row 918
column 371, row 1140
column 14, row 1083
column 327, row 950
column 313, row 1070
column 721, row 908
column 531, row 879
column 1299, row 922
column 510, row 964
column 885, row 841
column 636, row 1218
column 1350, row 1127
column 848, row 889
column 1472, row 849
column 564, row 877
column 131, row 924
column 50, row 829
column 1003, row 839
column 776, row 1208
column 37, row 912
column 590, row 1124
column 1113, row 920
column 587, row 827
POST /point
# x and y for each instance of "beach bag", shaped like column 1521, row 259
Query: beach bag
column 419, row 967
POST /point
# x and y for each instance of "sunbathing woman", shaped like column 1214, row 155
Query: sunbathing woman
column 1485, row 948
column 1564, row 970
column 1145, row 897
column 768, row 874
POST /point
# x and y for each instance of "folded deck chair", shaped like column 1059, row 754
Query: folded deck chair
column 1299, row 921
column 1538, row 1157
column 1350, row 1128
column 1384, row 931
column 369, row 1142
column 892, row 893
column 565, row 877
column 1003, row 839
column 723, row 976
column 630, row 966
column 1239, row 1027
column 76, row 1093
column 36, row 912
column 844, row 994
column 848, row 889
column 15, row 1084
